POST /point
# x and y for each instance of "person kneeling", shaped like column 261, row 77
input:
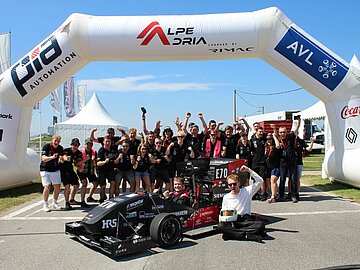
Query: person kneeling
column 236, row 222
column 180, row 195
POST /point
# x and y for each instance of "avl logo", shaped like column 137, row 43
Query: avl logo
column 311, row 58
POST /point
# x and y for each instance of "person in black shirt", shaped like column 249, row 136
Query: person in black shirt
column 115, row 140
column 258, row 141
column 105, row 168
column 178, row 151
column 124, row 166
column 301, row 148
column 141, row 167
column 273, row 155
column 230, row 143
column 133, row 142
column 50, row 171
column 72, row 156
column 194, row 138
column 159, row 173
column 288, row 163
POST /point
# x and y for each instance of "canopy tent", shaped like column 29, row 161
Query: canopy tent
column 316, row 111
column 93, row 115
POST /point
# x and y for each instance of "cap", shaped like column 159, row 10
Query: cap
column 244, row 134
column 167, row 128
column 75, row 141
column 88, row 140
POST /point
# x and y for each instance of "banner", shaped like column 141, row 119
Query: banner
column 5, row 61
column 69, row 102
column 55, row 100
column 55, row 120
column 81, row 93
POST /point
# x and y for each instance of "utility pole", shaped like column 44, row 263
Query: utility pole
column 234, row 105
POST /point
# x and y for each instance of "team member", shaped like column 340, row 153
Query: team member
column 141, row 167
column 178, row 151
column 258, row 141
column 159, row 172
column 86, row 171
column 213, row 145
column 72, row 156
column 239, row 199
column 105, row 168
column 230, row 143
column 273, row 155
column 288, row 163
column 124, row 164
column 115, row 140
column 180, row 195
column 194, row 138
column 301, row 148
column 50, row 171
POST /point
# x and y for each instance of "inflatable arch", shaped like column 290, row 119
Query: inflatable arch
column 267, row 34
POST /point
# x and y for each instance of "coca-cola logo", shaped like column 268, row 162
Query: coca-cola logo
column 348, row 112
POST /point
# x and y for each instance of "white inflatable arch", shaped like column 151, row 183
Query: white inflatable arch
column 267, row 34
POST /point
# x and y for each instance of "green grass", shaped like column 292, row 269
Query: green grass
column 313, row 162
column 19, row 195
column 338, row 189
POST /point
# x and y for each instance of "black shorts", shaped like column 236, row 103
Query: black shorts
column 91, row 177
column 105, row 175
column 162, row 173
column 69, row 177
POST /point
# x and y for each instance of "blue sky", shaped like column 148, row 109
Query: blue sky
column 170, row 89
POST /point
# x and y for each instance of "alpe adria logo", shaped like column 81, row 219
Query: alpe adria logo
column 150, row 31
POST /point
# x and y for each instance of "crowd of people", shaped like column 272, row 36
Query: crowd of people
column 128, row 162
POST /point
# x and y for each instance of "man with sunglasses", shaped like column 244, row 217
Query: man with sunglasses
column 239, row 198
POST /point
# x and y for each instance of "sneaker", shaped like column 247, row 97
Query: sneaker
column 91, row 199
column 101, row 201
column 294, row 199
column 68, row 207
column 225, row 237
column 271, row 200
column 280, row 199
column 46, row 208
column 56, row 206
column 263, row 197
column 84, row 204
column 256, row 197
column 253, row 237
column 73, row 202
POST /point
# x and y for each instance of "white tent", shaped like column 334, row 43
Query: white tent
column 93, row 115
column 316, row 111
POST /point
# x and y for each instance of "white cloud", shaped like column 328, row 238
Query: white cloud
column 142, row 83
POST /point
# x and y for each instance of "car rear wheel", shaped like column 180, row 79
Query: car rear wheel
column 165, row 230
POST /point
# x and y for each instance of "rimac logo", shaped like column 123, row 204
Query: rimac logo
column 150, row 31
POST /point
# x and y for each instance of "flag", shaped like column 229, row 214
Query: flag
column 69, row 102
column 55, row 100
column 5, row 62
column 81, row 93
column 37, row 106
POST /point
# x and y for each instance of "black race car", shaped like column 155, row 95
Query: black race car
column 132, row 222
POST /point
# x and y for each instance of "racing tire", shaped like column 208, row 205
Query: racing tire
column 165, row 230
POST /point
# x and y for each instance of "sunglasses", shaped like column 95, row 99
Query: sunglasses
column 232, row 184
column 157, row 142
column 182, row 137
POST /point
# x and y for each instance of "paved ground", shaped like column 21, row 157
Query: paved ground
column 320, row 231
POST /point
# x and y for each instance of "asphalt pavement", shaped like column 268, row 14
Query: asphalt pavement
column 320, row 231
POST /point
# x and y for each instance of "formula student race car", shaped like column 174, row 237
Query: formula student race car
column 131, row 223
